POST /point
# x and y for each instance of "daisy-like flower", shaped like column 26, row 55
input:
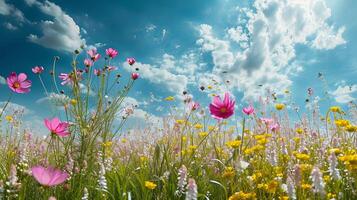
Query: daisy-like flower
column 93, row 54
column 134, row 76
column 111, row 52
column 49, row 176
column 57, row 127
column 19, row 84
column 222, row 109
column 88, row 62
column 131, row 61
column 37, row 69
column 248, row 110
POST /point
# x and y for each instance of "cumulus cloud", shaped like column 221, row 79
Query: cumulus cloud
column 161, row 76
column 344, row 93
column 10, row 26
column 10, row 10
column 61, row 33
column 267, row 37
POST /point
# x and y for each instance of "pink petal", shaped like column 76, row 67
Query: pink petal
column 22, row 77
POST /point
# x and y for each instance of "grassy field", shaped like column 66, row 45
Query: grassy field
column 200, row 153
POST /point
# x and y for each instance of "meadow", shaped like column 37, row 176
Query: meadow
column 200, row 153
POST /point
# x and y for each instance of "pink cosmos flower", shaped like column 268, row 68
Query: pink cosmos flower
column 57, row 127
column 97, row 72
column 275, row 127
column 135, row 76
column 248, row 110
column 37, row 69
column 111, row 52
column 18, row 84
column 267, row 121
column 69, row 78
column 93, row 54
column 49, row 176
column 131, row 61
column 222, row 109
column 88, row 62
column 111, row 68
column 194, row 106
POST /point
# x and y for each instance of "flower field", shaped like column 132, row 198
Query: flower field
column 200, row 152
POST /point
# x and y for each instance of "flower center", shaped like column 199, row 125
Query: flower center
column 223, row 110
column 16, row 85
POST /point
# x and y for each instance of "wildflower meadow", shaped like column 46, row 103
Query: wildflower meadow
column 199, row 153
column 178, row 100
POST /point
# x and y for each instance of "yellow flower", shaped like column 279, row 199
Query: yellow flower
column 305, row 167
column 234, row 144
column 256, row 176
column 327, row 178
column 73, row 102
column 203, row 134
column 192, row 147
column 180, row 121
column 335, row 150
column 335, row 109
column 150, row 185
column 209, row 87
column 124, row 140
column 350, row 128
column 228, row 172
column 184, row 138
column 242, row 196
column 272, row 186
column 287, row 91
column 306, row 186
column 331, row 196
column 107, row 144
column 299, row 130
column 302, row 156
column 341, row 122
column 169, row 98
column 198, row 126
column 212, row 128
column 284, row 198
column 279, row 106
column 9, row 118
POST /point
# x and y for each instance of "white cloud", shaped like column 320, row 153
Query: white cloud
column 150, row 28
column 175, row 83
column 11, row 108
column 344, row 93
column 62, row 33
column 11, row 10
column 10, row 26
column 268, row 37
column 2, row 80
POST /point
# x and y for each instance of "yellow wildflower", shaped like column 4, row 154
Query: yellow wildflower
column 169, row 98
column 306, row 186
column 9, row 118
column 351, row 128
column 302, row 156
column 234, row 144
column 198, row 126
column 73, row 102
column 272, row 186
column 335, row 109
column 203, row 134
column 279, row 106
column 150, row 185
column 242, row 196
column 228, row 172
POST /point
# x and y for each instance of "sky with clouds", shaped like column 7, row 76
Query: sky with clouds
column 245, row 47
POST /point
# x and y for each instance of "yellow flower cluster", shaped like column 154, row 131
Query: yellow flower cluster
column 228, row 172
column 242, row 196
column 234, row 144
column 335, row 109
column 270, row 187
column 350, row 161
column 342, row 123
column 169, row 98
column 302, row 156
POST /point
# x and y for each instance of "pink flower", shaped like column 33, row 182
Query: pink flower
column 222, row 109
column 19, row 84
column 66, row 78
column 93, row 54
column 37, row 69
column 111, row 68
column 134, row 76
column 57, row 127
column 97, row 72
column 69, row 78
column 248, row 110
column 275, row 127
column 88, row 62
column 49, row 176
column 194, row 106
column 131, row 61
column 111, row 52
column 266, row 121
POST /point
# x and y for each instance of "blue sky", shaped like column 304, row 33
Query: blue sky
column 182, row 45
